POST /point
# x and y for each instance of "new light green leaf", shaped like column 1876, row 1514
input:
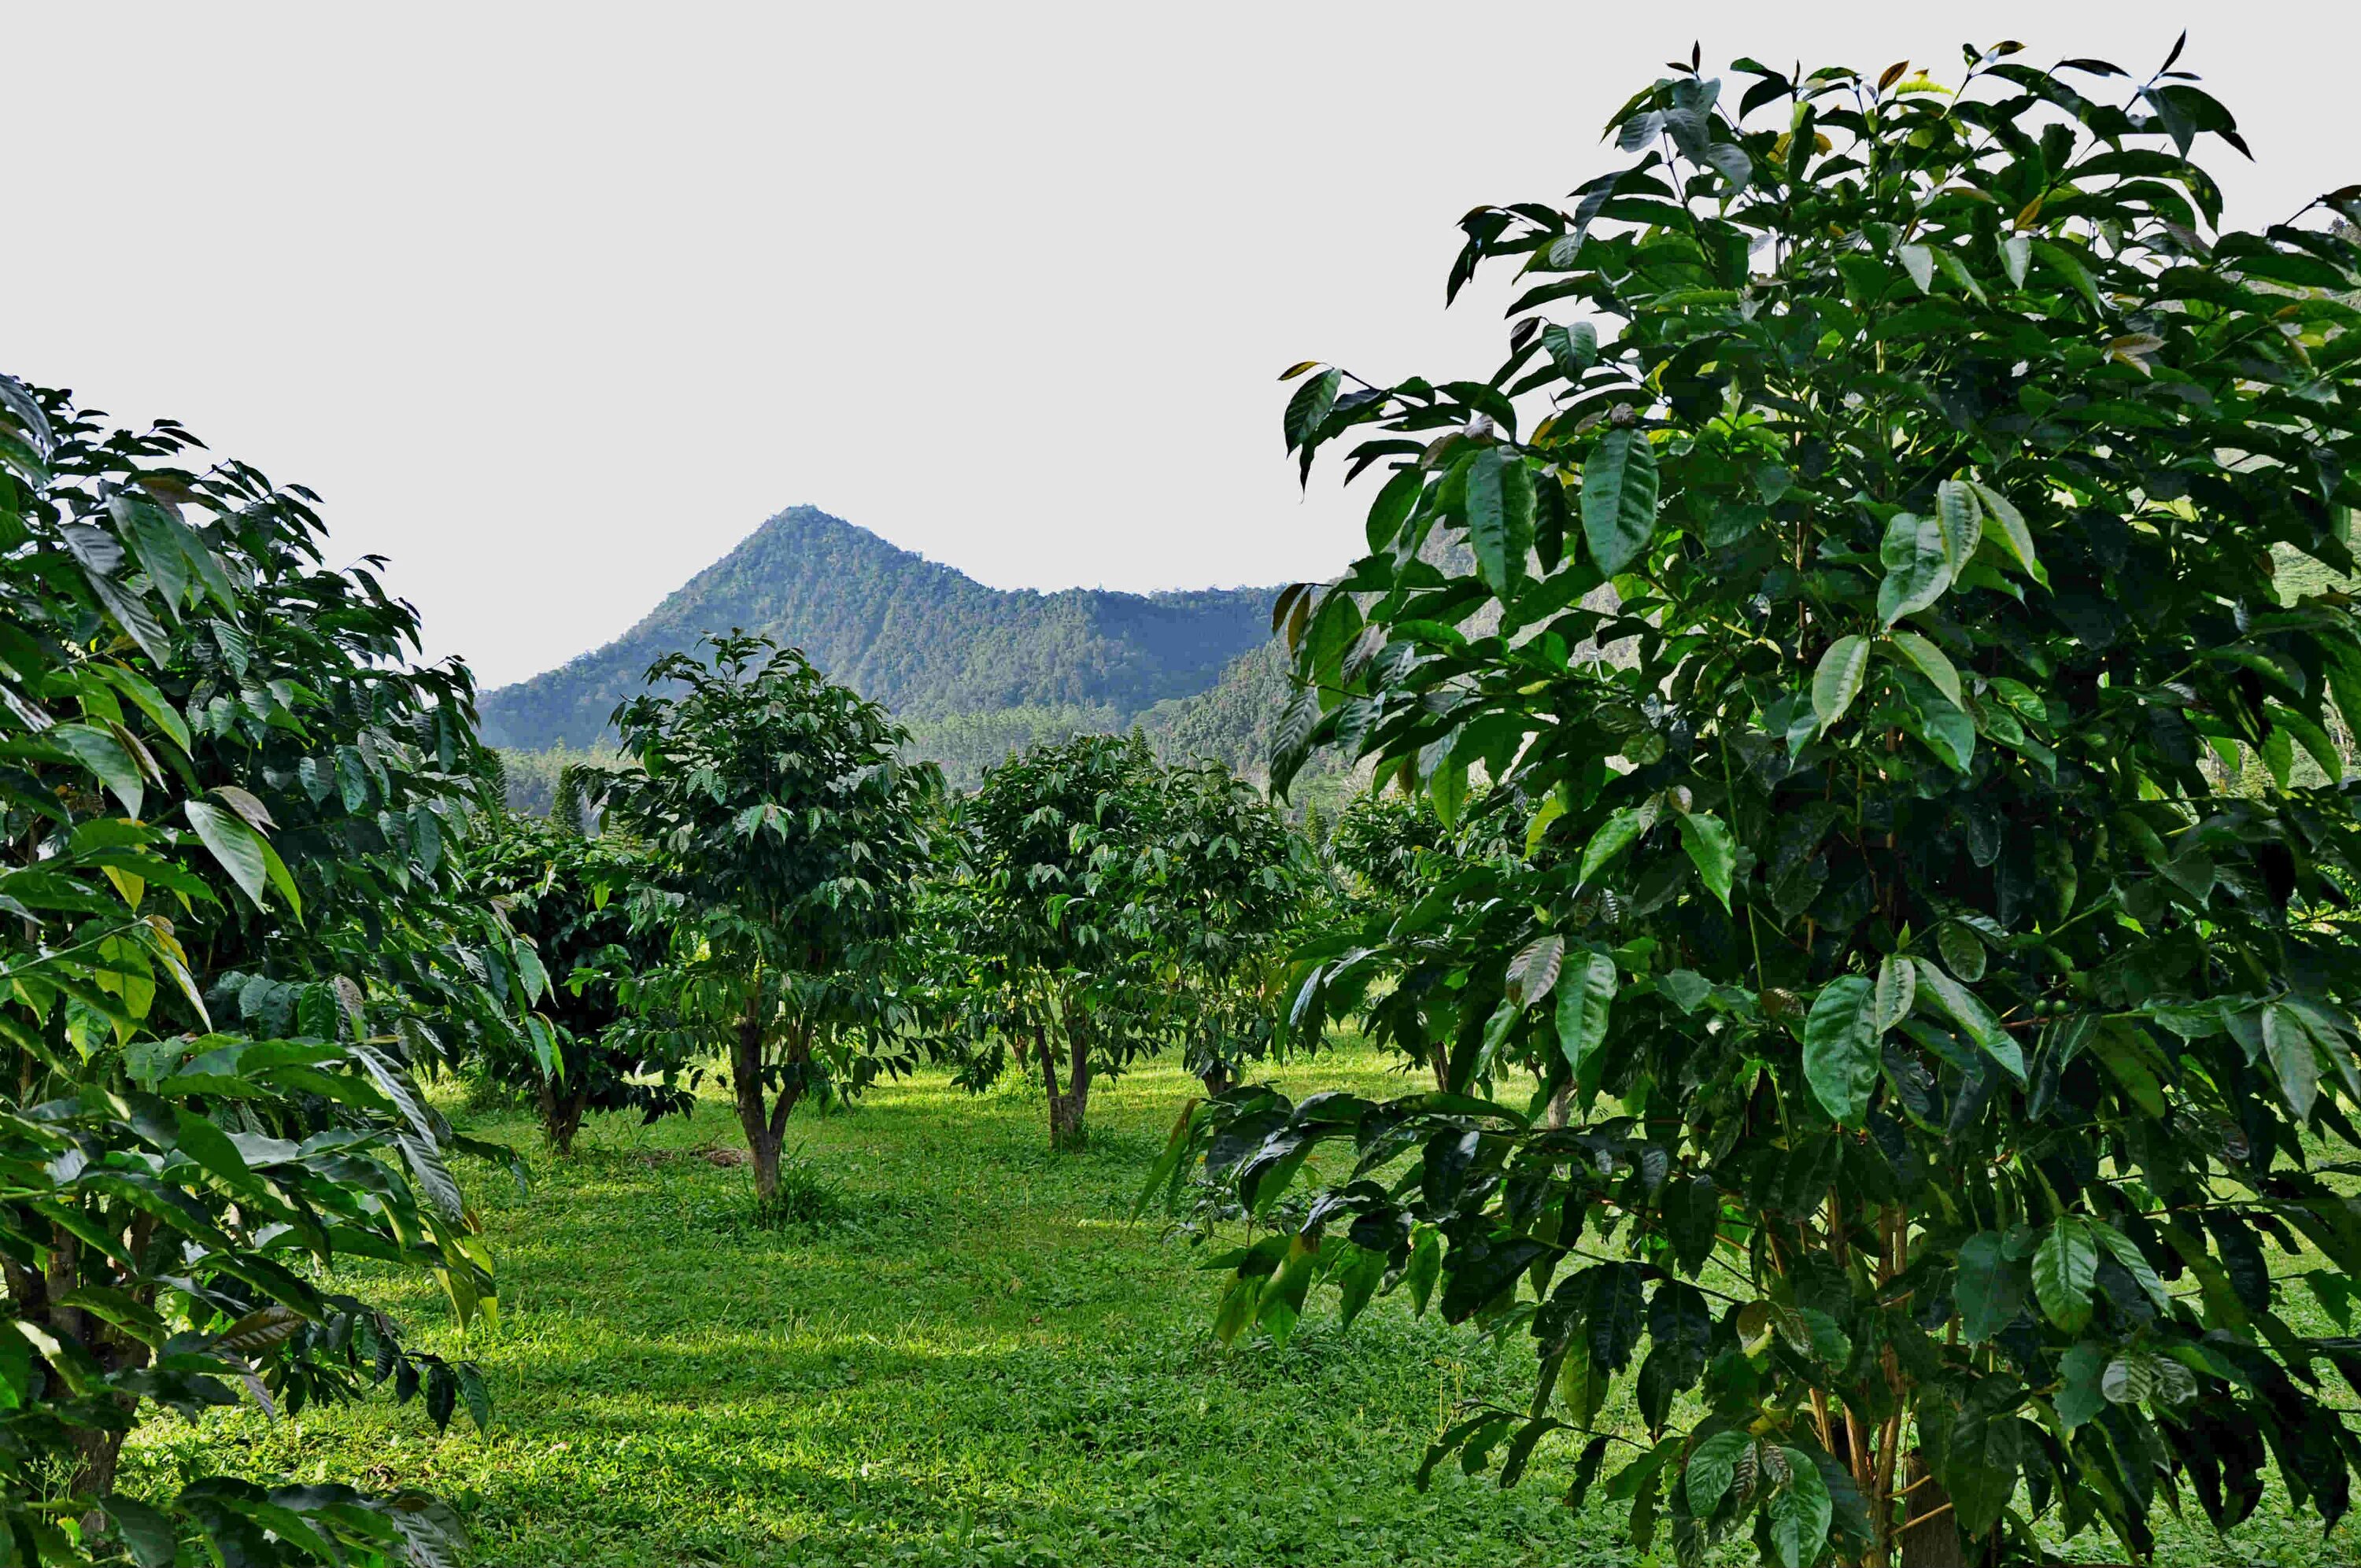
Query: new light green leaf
column 1619, row 499
column 1837, row 680
column 1841, row 1052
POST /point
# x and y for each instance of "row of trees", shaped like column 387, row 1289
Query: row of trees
column 259, row 874
column 771, row 881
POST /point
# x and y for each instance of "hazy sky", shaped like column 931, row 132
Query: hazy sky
column 554, row 305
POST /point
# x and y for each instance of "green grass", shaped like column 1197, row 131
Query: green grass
column 961, row 1351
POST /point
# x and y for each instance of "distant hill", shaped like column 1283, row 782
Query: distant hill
column 975, row 671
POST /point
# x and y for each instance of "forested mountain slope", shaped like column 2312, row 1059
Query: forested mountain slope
column 980, row 665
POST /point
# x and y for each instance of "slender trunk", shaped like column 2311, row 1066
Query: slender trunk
column 1067, row 1109
column 1218, row 1077
column 746, row 1079
column 560, row 1115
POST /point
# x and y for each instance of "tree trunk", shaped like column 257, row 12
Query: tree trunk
column 1560, row 1108
column 560, row 1115
column 1067, row 1109
column 1931, row 1538
column 1218, row 1077
column 766, row 1124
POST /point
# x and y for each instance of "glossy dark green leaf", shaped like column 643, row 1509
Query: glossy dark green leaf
column 1837, row 680
column 1586, row 995
column 1619, row 499
column 1841, row 1048
column 1918, row 569
column 2065, row 1273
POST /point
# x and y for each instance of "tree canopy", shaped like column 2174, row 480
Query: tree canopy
column 230, row 932
column 1948, row 1038
column 789, row 833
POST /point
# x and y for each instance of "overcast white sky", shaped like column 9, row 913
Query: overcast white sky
column 554, row 305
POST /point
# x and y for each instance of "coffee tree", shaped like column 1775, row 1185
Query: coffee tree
column 227, row 922
column 570, row 895
column 1063, row 961
column 1950, row 1048
column 1224, row 884
column 788, row 834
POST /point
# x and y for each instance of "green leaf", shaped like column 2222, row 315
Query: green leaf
column 2129, row 1257
column 1920, row 262
column 2079, row 1399
column 2016, row 256
column 1619, row 499
column 1393, row 507
column 1841, row 1049
column 104, row 755
column 148, row 699
column 1584, row 998
column 146, row 1534
column 1613, row 836
column 1800, row 1512
column 1533, row 974
column 1988, row 1287
column 1500, row 518
column 239, row 849
column 1962, row 521
column 2014, row 536
column 1897, row 985
column 1711, row 1469
column 1310, row 405
column 2288, row 1043
column 1713, row 849
column 2068, row 267
column 1970, row 1014
column 1573, row 349
column 1930, row 661
column 1963, row 951
column 1837, row 680
column 1917, row 570
column 2066, row 1272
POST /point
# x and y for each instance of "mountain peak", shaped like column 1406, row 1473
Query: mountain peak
column 920, row 636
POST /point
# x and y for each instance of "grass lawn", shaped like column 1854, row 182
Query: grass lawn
column 981, row 1361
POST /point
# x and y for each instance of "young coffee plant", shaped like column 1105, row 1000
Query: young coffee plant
column 788, row 835
column 569, row 894
column 1051, row 873
column 1950, row 1046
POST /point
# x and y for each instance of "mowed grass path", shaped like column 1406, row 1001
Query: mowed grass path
column 984, row 1360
